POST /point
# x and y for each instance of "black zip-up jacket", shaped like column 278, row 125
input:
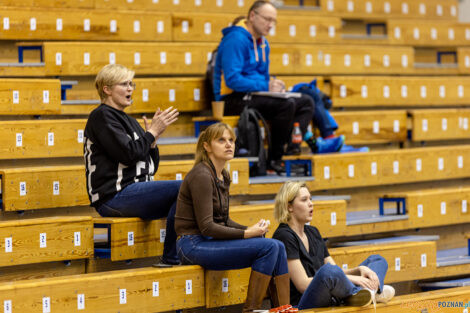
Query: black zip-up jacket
column 117, row 153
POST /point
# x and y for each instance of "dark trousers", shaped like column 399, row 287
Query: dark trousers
column 281, row 113
column 148, row 200
column 322, row 119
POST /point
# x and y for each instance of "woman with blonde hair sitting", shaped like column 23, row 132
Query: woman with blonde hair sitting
column 208, row 237
column 316, row 279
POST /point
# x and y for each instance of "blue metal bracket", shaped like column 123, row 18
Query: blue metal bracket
column 289, row 164
column 104, row 253
column 397, row 201
column 63, row 91
column 468, row 246
column 441, row 53
column 199, row 124
column 21, row 50
column 369, row 27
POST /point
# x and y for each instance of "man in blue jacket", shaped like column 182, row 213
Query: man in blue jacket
column 242, row 66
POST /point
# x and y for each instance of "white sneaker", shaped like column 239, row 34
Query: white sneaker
column 386, row 295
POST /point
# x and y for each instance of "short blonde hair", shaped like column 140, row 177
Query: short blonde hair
column 284, row 198
column 212, row 132
column 110, row 75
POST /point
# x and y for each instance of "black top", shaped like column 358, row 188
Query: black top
column 311, row 261
column 117, row 153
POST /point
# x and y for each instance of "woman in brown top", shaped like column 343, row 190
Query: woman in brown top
column 208, row 237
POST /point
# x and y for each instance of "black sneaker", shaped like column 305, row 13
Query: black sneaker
column 278, row 166
column 293, row 149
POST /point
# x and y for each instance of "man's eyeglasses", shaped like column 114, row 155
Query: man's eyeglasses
column 268, row 20
column 127, row 84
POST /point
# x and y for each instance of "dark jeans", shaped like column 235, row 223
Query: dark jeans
column 281, row 113
column 263, row 255
column 148, row 200
column 331, row 282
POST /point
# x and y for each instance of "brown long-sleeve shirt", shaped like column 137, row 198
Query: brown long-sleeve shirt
column 203, row 205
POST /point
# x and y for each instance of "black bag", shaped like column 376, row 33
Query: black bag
column 250, row 142
column 209, row 83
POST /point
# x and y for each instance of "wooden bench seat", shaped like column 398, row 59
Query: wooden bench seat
column 139, row 290
column 377, row 168
column 289, row 28
column 340, row 59
column 390, row 167
column 64, row 138
column 387, row 9
column 434, row 207
column 87, row 58
column 440, row 124
column 74, row 24
column 428, row 33
column 210, row 6
column 29, row 96
column 29, row 187
column 43, row 240
column 407, row 261
column 396, row 91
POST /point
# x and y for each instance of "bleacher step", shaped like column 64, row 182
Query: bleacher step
column 274, row 179
column 450, row 257
column 389, row 240
column 372, row 216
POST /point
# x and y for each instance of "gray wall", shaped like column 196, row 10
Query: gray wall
column 464, row 11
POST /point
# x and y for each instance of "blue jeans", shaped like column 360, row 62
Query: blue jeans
column 148, row 200
column 322, row 118
column 263, row 255
column 331, row 282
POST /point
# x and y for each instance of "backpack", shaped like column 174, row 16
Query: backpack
column 250, row 142
column 209, row 82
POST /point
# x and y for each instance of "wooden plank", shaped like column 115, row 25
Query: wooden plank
column 42, row 270
column 428, row 33
column 226, row 287
column 387, row 9
column 435, row 207
column 372, row 91
column 45, row 240
column 440, row 124
column 87, row 58
column 29, row 96
column 40, row 187
column 332, row 171
column 178, row 169
column 406, row 260
column 338, row 59
column 96, row 25
column 123, row 291
column 463, row 59
column 186, row 94
column 31, row 188
column 367, row 127
column 57, row 138
column 133, row 238
column 210, row 6
column 41, row 138
column 328, row 216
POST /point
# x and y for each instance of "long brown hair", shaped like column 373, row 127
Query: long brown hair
column 212, row 132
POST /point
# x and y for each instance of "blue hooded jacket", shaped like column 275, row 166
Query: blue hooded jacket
column 242, row 62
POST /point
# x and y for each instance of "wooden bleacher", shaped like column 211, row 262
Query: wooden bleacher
column 168, row 43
